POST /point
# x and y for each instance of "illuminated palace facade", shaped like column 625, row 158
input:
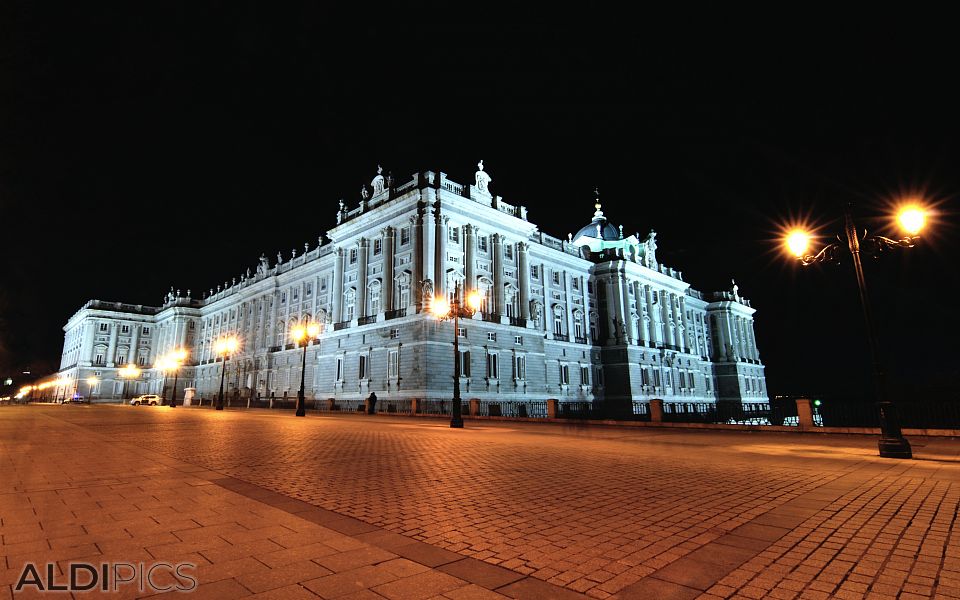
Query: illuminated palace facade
column 595, row 317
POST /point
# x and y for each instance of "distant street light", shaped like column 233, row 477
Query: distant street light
column 302, row 335
column 224, row 347
column 172, row 362
column 91, row 381
column 444, row 310
column 911, row 219
column 128, row 372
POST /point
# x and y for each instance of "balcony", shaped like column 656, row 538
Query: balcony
column 518, row 321
column 395, row 314
column 341, row 325
column 491, row 317
column 367, row 320
column 560, row 337
column 581, row 340
column 275, row 349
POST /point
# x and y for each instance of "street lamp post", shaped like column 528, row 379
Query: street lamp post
column 172, row 362
column 128, row 372
column 892, row 444
column 91, row 381
column 224, row 347
column 443, row 311
column 302, row 335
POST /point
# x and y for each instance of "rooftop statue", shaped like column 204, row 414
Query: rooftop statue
column 377, row 182
column 483, row 179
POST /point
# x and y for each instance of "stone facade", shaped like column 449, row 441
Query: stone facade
column 592, row 318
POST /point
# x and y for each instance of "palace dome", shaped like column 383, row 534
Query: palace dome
column 599, row 228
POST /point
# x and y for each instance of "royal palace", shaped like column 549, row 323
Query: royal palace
column 594, row 317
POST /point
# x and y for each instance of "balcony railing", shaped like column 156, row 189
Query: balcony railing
column 367, row 320
column 518, row 322
column 395, row 314
column 341, row 325
column 491, row 317
column 581, row 340
column 560, row 337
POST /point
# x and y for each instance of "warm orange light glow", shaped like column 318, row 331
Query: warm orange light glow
column 440, row 307
column 298, row 333
column 179, row 355
column 92, row 380
column 798, row 241
column 313, row 330
column 912, row 218
column 474, row 300
column 226, row 345
column 130, row 372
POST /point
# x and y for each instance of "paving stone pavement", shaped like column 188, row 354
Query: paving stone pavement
column 516, row 509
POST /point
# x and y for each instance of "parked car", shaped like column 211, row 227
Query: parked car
column 148, row 399
column 76, row 400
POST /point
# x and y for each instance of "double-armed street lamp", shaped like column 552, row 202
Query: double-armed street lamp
column 172, row 362
column 445, row 310
column 224, row 347
column 302, row 335
column 127, row 373
column 911, row 219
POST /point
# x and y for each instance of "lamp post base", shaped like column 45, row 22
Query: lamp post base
column 895, row 448
column 301, row 409
column 456, row 423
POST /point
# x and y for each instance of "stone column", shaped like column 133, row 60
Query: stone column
column 497, row 264
column 469, row 260
column 336, row 292
column 182, row 340
column 587, row 323
column 613, row 307
column 629, row 336
column 89, row 335
column 753, row 342
column 656, row 410
column 429, row 245
column 665, row 317
column 805, row 413
column 685, row 324
column 112, row 348
column 134, row 353
column 361, row 308
column 416, row 293
column 653, row 315
column 568, row 305
column 388, row 260
column 639, row 295
column 523, row 276
column 440, row 260
column 676, row 318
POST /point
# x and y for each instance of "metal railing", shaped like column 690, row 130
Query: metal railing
column 524, row 409
column 395, row 314
column 436, row 407
column 367, row 320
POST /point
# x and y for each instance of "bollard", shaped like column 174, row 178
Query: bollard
column 413, row 406
column 552, row 406
column 805, row 413
column 474, row 406
column 656, row 410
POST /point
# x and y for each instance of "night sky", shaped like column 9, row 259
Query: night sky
column 143, row 147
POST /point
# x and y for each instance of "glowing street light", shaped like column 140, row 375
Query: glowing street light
column 172, row 362
column 444, row 310
column 224, row 347
column 91, row 381
column 302, row 335
column 911, row 219
column 128, row 372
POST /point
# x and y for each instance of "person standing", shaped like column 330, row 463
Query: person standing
column 372, row 403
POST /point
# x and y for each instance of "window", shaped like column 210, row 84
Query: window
column 465, row 363
column 508, row 252
column 493, row 366
column 323, row 284
column 339, row 368
column 556, row 277
column 518, row 340
column 534, row 272
column 482, row 243
column 349, row 304
column 393, row 363
column 283, row 298
column 746, row 381
column 377, row 246
column 706, row 383
column 308, row 290
column 453, row 234
column 690, row 381
column 124, row 329
column 682, row 380
column 404, row 236
column 576, row 283
column 142, row 360
column 103, row 326
column 598, row 376
column 98, row 360
column 564, row 375
column 461, row 332
column 146, row 331
column 557, row 322
column 491, row 336
column 122, row 360
column 644, row 376
column 192, row 325
column 362, row 371
column 296, row 296
column 519, row 366
column 394, row 334
column 373, row 298
column 584, row 375
column 590, row 287
column 578, row 323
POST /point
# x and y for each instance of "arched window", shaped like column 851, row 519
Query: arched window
column 595, row 326
column 578, row 324
column 452, row 279
column 558, row 319
column 485, row 287
column 306, row 318
column 349, row 304
column 402, row 291
column 321, row 316
column 511, row 301
column 281, row 333
column 537, row 314
column 373, row 297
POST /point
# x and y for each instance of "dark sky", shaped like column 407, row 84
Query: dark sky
column 143, row 147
